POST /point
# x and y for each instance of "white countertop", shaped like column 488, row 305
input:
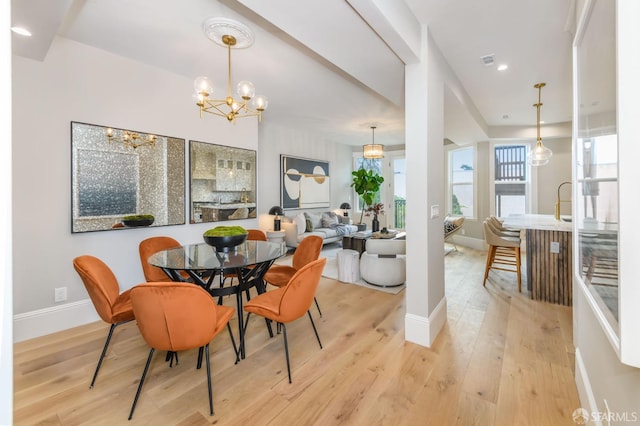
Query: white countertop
column 544, row 222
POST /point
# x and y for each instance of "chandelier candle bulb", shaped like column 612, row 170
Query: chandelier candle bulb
column 246, row 90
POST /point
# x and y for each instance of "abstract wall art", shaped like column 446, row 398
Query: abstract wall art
column 305, row 183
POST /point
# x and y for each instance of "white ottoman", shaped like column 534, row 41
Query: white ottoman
column 348, row 266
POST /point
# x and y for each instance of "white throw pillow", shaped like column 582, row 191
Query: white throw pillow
column 301, row 223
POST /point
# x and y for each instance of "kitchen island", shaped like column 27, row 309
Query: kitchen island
column 548, row 256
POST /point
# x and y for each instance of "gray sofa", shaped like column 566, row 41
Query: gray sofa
column 327, row 225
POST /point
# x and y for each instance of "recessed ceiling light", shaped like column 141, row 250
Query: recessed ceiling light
column 502, row 67
column 22, row 31
column 488, row 60
column 505, row 116
column 541, row 121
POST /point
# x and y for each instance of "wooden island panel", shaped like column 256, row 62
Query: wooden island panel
column 549, row 274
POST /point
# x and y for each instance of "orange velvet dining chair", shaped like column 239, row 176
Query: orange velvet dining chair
column 288, row 303
column 176, row 316
column 152, row 273
column 307, row 251
column 102, row 285
column 256, row 235
column 151, row 246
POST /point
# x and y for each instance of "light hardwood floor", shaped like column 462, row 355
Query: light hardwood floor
column 501, row 359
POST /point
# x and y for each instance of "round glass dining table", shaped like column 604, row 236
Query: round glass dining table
column 248, row 262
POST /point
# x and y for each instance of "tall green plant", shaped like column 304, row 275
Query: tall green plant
column 366, row 183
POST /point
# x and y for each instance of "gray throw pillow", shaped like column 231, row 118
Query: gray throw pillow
column 329, row 219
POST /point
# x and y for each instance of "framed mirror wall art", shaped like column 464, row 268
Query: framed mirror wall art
column 124, row 178
column 223, row 182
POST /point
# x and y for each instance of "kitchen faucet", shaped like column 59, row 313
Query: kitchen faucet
column 558, row 200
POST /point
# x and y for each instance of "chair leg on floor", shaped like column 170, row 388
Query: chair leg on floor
column 233, row 342
column 104, row 352
column 490, row 255
column 286, row 348
column 317, row 306
column 517, row 250
column 199, row 363
column 314, row 329
column 269, row 327
column 206, row 356
column 144, row 374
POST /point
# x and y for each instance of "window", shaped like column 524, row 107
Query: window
column 511, row 179
column 462, row 182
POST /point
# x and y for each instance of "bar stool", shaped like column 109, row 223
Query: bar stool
column 503, row 250
column 497, row 224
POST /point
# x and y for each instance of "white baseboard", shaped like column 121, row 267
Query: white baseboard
column 585, row 393
column 423, row 331
column 50, row 320
column 470, row 242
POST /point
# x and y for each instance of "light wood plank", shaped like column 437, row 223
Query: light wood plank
column 500, row 359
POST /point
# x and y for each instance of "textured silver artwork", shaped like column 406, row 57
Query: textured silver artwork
column 111, row 180
column 223, row 182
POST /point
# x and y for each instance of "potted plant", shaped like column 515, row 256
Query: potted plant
column 366, row 183
column 375, row 210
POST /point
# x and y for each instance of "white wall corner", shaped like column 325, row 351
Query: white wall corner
column 423, row 331
column 50, row 320
column 585, row 393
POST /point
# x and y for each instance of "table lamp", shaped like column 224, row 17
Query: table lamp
column 345, row 209
column 277, row 211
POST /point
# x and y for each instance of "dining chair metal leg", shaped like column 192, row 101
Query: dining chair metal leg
column 317, row 306
column 286, row 348
column 233, row 342
column 104, row 351
column 314, row 329
column 199, row 363
column 144, row 374
column 206, row 355
column 170, row 356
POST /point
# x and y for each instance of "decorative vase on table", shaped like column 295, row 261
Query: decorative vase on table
column 375, row 224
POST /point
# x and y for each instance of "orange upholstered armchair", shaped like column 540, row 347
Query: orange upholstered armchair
column 290, row 302
column 175, row 317
column 256, row 235
column 153, row 245
column 253, row 235
column 113, row 307
column 307, row 251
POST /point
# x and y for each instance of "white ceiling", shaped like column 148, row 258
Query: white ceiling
column 322, row 66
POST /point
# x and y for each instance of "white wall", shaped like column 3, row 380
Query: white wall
column 80, row 83
column 553, row 174
column 6, row 309
column 276, row 139
column 426, row 305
